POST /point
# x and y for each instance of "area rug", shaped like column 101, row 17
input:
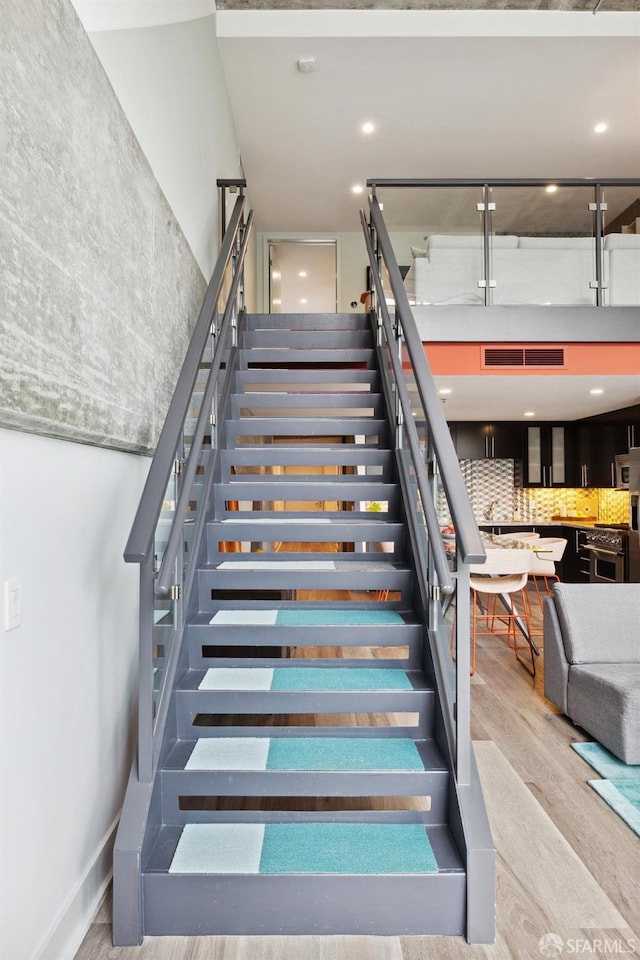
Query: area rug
column 620, row 786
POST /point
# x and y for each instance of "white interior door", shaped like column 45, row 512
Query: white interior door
column 303, row 276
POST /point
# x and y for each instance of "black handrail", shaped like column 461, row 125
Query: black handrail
column 445, row 580
column 140, row 543
column 468, row 537
column 504, row 182
column 165, row 574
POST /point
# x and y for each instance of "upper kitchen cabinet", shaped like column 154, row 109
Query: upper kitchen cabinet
column 595, row 447
column 547, row 456
column 598, row 441
column 488, row 441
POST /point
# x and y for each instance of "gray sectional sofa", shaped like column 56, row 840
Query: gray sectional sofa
column 592, row 661
column 527, row 270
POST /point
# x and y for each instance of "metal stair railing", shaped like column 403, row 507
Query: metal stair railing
column 166, row 534
column 423, row 463
column 420, row 471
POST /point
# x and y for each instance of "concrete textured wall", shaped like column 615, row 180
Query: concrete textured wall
column 98, row 287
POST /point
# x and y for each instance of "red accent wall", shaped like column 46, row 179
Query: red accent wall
column 580, row 358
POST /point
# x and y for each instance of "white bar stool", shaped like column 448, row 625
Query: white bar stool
column 504, row 575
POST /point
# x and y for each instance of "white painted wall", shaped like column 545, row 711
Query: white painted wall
column 170, row 83
column 352, row 261
column 67, row 684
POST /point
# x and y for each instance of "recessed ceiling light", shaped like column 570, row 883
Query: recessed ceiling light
column 302, row 273
column 304, row 300
column 276, row 302
column 368, row 127
column 275, row 274
column 357, row 188
column 552, row 188
column 445, row 390
column 529, row 413
column 596, row 390
column 307, row 64
column 600, row 128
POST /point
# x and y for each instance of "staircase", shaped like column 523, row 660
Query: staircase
column 300, row 788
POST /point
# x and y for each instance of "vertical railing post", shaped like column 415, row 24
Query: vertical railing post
column 398, row 405
column 463, row 671
column 486, row 243
column 599, row 227
column 145, row 672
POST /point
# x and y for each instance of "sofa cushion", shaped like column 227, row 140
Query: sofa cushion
column 557, row 243
column 545, row 275
column 600, row 622
column 450, row 241
column 622, row 241
column 604, row 699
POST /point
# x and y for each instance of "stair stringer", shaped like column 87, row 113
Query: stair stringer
column 467, row 814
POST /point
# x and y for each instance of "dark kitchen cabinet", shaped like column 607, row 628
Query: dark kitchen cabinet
column 595, row 447
column 597, row 441
column 488, row 441
column 574, row 567
column 547, row 455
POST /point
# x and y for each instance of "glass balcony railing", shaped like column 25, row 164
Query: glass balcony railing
column 515, row 242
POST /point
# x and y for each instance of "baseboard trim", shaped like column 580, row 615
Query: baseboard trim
column 69, row 927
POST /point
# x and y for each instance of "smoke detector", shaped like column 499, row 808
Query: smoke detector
column 307, row 64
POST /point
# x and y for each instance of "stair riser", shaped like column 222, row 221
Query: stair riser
column 303, row 816
column 308, row 339
column 428, row 783
column 346, row 456
column 375, row 635
column 212, row 638
column 307, row 321
column 409, row 662
column 430, row 904
column 192, row 702
column 289, row 359
column 306, row 405
column 357, row 380
column 286, row 530
column 291, row 489
column 256, row 579
column 307, row 427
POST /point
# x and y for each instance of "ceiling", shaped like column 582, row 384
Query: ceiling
column 445, row 103
column 471, row 95
column 548, row 397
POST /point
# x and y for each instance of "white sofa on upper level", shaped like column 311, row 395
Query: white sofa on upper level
column 526, row 270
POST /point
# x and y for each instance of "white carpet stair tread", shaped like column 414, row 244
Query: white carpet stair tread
column 261, row 618
column 237, row 678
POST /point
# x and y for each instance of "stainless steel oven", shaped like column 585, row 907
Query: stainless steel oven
column 607, row 555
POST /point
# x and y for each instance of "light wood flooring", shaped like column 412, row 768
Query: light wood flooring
column 566, row 864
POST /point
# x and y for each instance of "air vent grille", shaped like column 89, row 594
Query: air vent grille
column 544, row 357
column 503, row 357
column 539, row 356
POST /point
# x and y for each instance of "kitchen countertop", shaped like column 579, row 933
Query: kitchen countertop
column 577, row 522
